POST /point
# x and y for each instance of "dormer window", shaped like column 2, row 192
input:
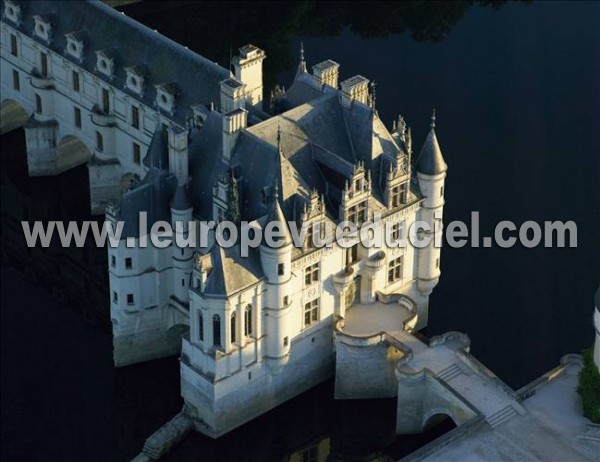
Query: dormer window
column 357, row 214
column 398, row 194
column 135, row 79
column 165, row 97
column 42, row 28
column 12, row 12
column 75, row 45
column 105, row 62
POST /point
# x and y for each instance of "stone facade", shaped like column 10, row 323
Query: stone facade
column 253, row 331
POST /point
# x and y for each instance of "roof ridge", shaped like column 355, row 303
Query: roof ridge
column 177, row 47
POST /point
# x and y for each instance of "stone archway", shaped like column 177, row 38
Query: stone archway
column 12, row 116
column 435, row 416
column 71, row 152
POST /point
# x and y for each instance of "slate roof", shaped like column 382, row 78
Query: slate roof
column 321, row 141
column 133, row 44
column 153, row 196
column 230, row 272
column 157, row 155
column 430, row 160
column 205, row 163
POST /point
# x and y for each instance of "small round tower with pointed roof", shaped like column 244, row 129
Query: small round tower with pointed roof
column 431, row 175
column 276, row 261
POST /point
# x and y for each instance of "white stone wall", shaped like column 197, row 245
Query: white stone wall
column 59, row 104
column 140, row 328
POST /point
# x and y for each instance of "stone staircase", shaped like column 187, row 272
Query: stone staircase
column 165, row 437
column 501, row 416
column 449, row 372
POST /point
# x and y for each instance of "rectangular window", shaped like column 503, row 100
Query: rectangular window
column 311, row 312
column 357, row 214
column 16, row 80
column 137, row 153
column 76, row 82
column 311, row 274
column 200, row 327
column 399, row 194
column 280, row 269
column 286, row 300
column 105, row 101
column 38, row 104
column 437, row 263
column 286, row 341
column 44, row 64
column 352, row 254
column 395, row 269
column 113, row 261
column 115, row 297
column 13, row 45
column 397, row 231
column 135, row 117
column 77, row 117
column 128, row 263
column 99, row 142
column 130, row 299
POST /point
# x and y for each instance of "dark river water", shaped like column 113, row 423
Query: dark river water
column 516, row 91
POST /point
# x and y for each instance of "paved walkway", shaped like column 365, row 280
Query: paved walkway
column 369, row 319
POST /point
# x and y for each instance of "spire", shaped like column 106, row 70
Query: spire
column 430, row 160
column 302, row 63
column 276, row 215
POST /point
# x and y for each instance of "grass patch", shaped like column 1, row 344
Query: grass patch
column 589, row 387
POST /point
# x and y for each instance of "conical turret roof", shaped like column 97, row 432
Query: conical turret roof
column 181, row 199
column 276, row 215
column 430, row 160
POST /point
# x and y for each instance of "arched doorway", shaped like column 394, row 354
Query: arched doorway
column 12, row 116
column 71, row 152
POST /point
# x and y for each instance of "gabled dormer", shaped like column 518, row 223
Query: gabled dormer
column 42, row 28
column 12, row 12
column 313, row 218
column 355, row 196
column 135, row 80
column 165, row 97
column 105, row 62
column 397, row 181
column 74, row 47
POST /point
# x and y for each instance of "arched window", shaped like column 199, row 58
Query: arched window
column 200, row 327
column 232, row 326
column 216, row 330
column 248, row 320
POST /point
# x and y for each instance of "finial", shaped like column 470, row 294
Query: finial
column 433, row 119
column 302, row 63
